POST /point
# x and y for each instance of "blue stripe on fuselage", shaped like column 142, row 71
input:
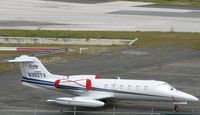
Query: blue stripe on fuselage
column 25, row 78
column 35, row 82
column 49, row 83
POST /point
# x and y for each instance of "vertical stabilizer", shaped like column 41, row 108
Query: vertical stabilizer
column 31, row 67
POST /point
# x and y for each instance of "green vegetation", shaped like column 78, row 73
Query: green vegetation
column 175, row 2
column 74, row 52
column 146, row 39
column 187, row 39
column 5, row 66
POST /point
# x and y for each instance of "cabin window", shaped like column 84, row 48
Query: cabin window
column 145, row 88
column 137, row 87
column 129, row 87
column 106, row 86
column 121, row 87
column 113, row 86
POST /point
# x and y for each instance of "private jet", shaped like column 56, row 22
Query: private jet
column 93, row 90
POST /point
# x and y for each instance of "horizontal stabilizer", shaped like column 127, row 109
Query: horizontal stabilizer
column 23, row 58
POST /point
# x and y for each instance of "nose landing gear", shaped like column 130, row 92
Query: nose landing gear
column 176, row 103
column 176, row 108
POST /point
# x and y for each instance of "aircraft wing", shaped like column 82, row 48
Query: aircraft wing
column 86, row 100
column 97, row 95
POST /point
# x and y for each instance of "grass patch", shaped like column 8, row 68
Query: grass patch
column 185, row 39
column 94, row 34
column 5, row 67
column 175, row 2
column 193, row 43
column 146, row 39
column 74, row 52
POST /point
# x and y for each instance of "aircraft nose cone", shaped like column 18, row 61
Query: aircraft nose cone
column 193, row 98
column 187, row 97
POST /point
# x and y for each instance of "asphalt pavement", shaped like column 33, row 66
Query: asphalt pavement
column 97, row 15
column 177, row 66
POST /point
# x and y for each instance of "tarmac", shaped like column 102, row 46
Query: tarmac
column 99, row 15
column 175, row 65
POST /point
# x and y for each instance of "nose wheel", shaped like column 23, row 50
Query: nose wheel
column 176, row 108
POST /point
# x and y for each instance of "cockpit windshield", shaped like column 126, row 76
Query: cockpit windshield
column 166, row 86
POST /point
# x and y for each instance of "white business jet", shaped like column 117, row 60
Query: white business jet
column 91, row 90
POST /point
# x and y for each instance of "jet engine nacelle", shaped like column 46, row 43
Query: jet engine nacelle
column 83, row 102
column 56, row 84
column 74, row 77
column 88, row 84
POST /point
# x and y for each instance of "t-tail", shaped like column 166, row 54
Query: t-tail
column 33, row 70
column 31, row 67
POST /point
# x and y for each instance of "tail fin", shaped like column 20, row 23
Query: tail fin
column 31, row 67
